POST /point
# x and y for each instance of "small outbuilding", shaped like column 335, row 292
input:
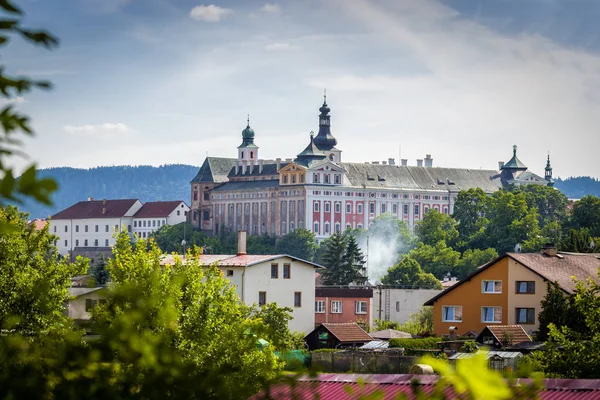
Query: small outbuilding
column 498, row 336
column 332, row 336
column 498, row 360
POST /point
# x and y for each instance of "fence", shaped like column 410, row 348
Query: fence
column 363, row 362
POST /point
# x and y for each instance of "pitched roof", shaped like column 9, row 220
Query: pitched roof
column 390, row 334
column 155, row 209
column 516, row 332
column 96, row 209
column 37, row 224
column 560, row 268
column 226, row 260
column 247, row 185
column 215, row 169
column 335, row 386
column 348, row 332
column 80, row 291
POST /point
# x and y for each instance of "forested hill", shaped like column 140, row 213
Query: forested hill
column 172, row 182
column 167, row 182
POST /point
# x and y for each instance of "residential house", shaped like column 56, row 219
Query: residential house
column 261, row 279
column 154, row 214
column 333, row 336
column 503, row 336
column 509, row 290
column 396, row 304
column 343, row 304
column 83, row 301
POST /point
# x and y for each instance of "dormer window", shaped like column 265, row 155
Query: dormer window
column 337, row 179
column 285, row 179
column 294, row 178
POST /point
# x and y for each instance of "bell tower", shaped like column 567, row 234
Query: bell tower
column 324, row 139
column 247, row 151
column 548, row 172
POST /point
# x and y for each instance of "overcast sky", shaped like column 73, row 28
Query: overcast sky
column 170, row 81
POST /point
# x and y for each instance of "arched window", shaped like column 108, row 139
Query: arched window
column 251, row 154
column 241, row 154
column 337, row 227
column 326, row 180
column 338, row 179
column 326, row 227
column 301, row 178
column 316, row 178
column 316, row 228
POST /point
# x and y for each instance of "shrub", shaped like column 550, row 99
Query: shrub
column 416, row 344
column 326, row 351
column 469, row 346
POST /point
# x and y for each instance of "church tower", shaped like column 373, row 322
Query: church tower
column 247, row 151
column 324, row 139
column 548, row 172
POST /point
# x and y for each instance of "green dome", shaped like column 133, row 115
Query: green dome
column 248, row 133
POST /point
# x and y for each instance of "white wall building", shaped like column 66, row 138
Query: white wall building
column 92, row 223
column 260, row 279
column 155, row 214
column 398, row 304
column 84, row 299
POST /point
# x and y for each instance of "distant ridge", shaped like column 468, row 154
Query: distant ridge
column 172, row 182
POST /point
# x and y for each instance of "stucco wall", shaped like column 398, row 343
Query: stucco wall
column 77, row 305
column 348, row 313
column 516, row 272
column 402, row 303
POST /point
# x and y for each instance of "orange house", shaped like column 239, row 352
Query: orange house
column 509, row 290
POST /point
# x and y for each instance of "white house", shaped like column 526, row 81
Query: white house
column 260, row 279
column 83, row 300
column 92, row 223
column 155, row 214
column 394, row 304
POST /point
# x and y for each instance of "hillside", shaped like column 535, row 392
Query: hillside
column 167, row 182
column 172, row 182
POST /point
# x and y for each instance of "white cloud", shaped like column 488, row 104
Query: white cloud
column 271, row 8
column 100, row 130
column 14, row 100
column 280, row 47
column 210, row 13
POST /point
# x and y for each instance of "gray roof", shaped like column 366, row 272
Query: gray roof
column 215, row 169
column 247, row 185
column 375, row 344
column 488, row 354
column 514, row 162
column 421, row 178
column 80, row 291
column 269, row 168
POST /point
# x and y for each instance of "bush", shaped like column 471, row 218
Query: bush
column 469, row 346
column 416, row 344
column 326, row 351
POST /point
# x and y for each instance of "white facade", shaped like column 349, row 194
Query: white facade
column 143, row 227
column 79, row 307
column 92, row 232
column 399, row 304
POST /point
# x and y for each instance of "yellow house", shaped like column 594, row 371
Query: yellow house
column 509, row 290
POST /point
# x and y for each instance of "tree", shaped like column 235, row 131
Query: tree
column 469, row 211
column 354, row 259
column 100, row 272
column 580, row 241
column 408, row 273
column 438, row 260
column 169, row 237
column 260, row 244
column 586, row 214
column 419, row 323
column 436, row 227
column 28, row 185
column 299, row 243
column 550, row 202
column 471, row 259
column 34, row 279
column 337, row 271
column 559, row 309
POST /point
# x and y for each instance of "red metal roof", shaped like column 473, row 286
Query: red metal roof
column 96, row 209
column 333, row 386
column 157, row 209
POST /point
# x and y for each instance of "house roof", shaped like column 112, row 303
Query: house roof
column 247, row 185
column 80, row 291
column 335, row 386
column 96, row 209
column 390, row 334
column 37, row 224
column 560, row 268
column 348, row 332
column 516, row 332
column 226, row 260
column 488, row 355
column 156, row 209
column 375, row 344
column 215, row 169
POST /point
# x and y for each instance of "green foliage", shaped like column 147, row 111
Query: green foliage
column 586, row 214
column 99, row 272
column 326, row 351
column 29, row 184
column 550, row 202
column 470, row 346
column 34, row 279
column 437, row 227
column 354, row 259
column 419, row 323
column 437, row 260
column 342, row 259
column 471, row 259
column 408, row 273
column 469, row 210
column 416, row 344
column 559, row 309
column 276, row 330
column 381, row 324
column 299, row 243
column 579, row 241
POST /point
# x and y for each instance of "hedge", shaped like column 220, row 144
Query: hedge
column 416, row 344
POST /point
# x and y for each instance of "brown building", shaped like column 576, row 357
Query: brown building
column 343, row 305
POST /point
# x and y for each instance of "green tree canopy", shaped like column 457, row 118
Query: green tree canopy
column 299, row 243
column 337, row 271
column 354, row 259
column 471, row 259
column 469, row 211
column 436, row 227
column 408, row 273
column 586, row 214
column 550, row 202
column 438, row 260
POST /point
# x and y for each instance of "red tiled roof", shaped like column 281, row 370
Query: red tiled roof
column 348, row 332
column 559, row 268
column 157, row 209
column 516, row 332
column 333, row 386
column 94, row 208
column 37, row 224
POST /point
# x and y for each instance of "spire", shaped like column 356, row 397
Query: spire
column 324, row 139
column 548, row 172
column 514, row 163
column 248, row 121
column 310, row 153
column 248, row 135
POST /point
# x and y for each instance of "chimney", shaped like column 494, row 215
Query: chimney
column 288, row 160
column 103, row 210
column 374, row 162
column 391, row 161
column 237, row 169
column 277, row 162
column 384, row 162
column 241, row 243
column 549, row 250
column 453, row 333
column 104, row 202
column 90, row 199
column 404, row 162
column 244, row 166
column 428, row 161
column 500, row 164
column 419, row 162
column 260, row 166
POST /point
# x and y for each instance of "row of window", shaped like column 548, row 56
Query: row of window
column 489, row 314
column 359, row 208
column 287, row 271
column 85, row 243
column 293, row 178
column 262, row 298
column 151, row 224
column 495, row 287
column 96, row 228
column 360, row 307
column 254, row 195
column 338, row 227
column 337, row 178
column 338, row 207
